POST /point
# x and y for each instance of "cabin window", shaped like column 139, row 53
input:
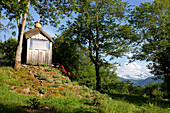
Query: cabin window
column 39, row 44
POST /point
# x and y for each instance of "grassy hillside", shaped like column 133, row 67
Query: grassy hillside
column 44, row 89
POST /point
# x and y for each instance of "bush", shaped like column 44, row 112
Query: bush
column 63, row 81
column 31, row 63
column 75, row 83
column 49, row 80
column 44, row 65
column 68, row 81
column 43, row 91
column 41, row 76
column 56, row 76
column 58, row 82
column 55, row 85
column 48, row 69
column 8, row 52
column 34, row 102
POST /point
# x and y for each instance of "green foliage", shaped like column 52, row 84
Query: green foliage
column 8, row 51
column 41, row 76
column 151, row 22
column 58, row 82
column 98, row 26
column 34, row 102
column 85, row 88
column 31, row 63
column 63, row 81
column 55, row 85
column 43, row 91
column 66, row 53
column 15, row 82
column 49, row 80
column 91, row 102
column 44, row 65
column 68, row 81
column 48, row 69
column 108, row 77
column 75, row 83
column 97, row 100
column 57, row 76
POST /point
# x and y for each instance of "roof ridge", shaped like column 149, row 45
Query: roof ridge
column 40, row 30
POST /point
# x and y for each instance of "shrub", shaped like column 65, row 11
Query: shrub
column 55, row 85
column 49, row 80
column 58, row 82
column 44, row 65
column 43, row 91
column 31, row 63
column 85, row 88
column 48, row 69
column 41, row 76
column 34, row 102
column 68, row 81
column 75, row 83
column 58, row 71
column 56, row 76
column 63, row 81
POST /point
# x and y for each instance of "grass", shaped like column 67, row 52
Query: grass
column 95, row 102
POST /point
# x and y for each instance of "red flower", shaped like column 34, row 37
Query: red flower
column 65, row 71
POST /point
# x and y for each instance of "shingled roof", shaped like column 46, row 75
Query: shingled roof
column 35, row 31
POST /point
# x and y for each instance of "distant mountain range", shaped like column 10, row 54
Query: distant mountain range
column 136, row 76
column 143, row 82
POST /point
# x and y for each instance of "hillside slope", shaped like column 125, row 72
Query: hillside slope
column 45, row 89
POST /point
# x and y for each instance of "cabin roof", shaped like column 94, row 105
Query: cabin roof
column 35, row 31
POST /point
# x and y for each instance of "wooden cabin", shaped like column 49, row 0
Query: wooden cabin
column 37, row 46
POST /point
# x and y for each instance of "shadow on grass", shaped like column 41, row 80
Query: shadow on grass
column 140, row 100
column 24, row 109
column 8, row 109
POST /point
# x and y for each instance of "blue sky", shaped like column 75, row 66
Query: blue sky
column 125, row 68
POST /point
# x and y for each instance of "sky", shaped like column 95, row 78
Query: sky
column 134, row 68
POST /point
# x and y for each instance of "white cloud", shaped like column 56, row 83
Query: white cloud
column 134, row 70
column 129, row 54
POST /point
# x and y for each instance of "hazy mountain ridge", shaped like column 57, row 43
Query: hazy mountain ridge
column 142, row 82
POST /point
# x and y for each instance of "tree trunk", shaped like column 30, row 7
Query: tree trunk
column 167, row 80
column 19, row 48
column 98, row 78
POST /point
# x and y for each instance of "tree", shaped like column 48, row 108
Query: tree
column 66, row 53
column 98, row 27
column 7, row 52
column 152, row 24
column 108, row 78
column 75, row 60
column 17, row 10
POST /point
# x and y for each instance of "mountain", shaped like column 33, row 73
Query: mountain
column 143, row 82
column 140, row 76
column 134, row 70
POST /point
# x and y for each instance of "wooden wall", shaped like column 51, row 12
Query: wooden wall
column 39, row 56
